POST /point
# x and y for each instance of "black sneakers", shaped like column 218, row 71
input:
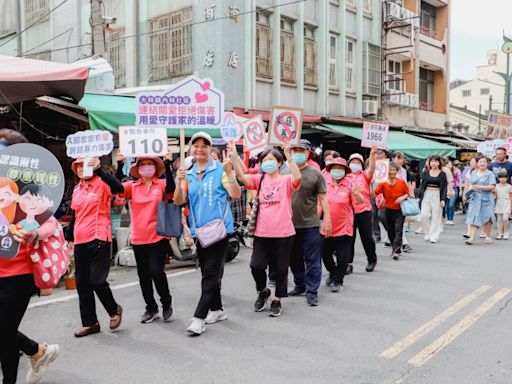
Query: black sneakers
column 312, row 301
column 371, row 266
column 168, row 313
column 350, row 269
column 261, row 300
column 296, row 292
column 149, row 317
column 275, row 309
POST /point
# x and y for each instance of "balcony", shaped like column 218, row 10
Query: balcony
column 432, row 107
column 432, row 34
column 430, row 120
column 407, row 100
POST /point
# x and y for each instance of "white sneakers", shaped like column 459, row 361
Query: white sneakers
column 450, row 222
column 214, row 316
column 197, row 326
column 39, row 367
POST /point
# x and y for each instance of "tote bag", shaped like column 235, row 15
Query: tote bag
column 410, row 207
column 168, row 221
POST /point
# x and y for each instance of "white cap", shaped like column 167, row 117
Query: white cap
column 201, row 135
column 356, row 156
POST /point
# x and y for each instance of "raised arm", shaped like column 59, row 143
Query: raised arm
column 294, row 169
column 169, row 181
column 372, row 161
column 237, row 165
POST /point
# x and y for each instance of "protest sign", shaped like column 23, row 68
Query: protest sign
column 285, row 125
column 254, row 135
column 374, row 134
column 232, row 127
column 142, row 142
column 381, row 171
column 488, row 148
column 499, row 126
column 89, row 144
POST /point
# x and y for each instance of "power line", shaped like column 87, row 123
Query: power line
column 34, row 23
column 181, row 26
column 46, row 42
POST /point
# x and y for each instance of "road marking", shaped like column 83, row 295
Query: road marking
column 114, row 288
column 415, row 336
column 454, row 332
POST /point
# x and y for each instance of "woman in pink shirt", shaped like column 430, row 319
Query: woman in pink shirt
column 274, row 232
column 91, row 233
column 150, row 248
column 341, row 196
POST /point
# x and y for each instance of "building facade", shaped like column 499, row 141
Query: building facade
column 416, row 62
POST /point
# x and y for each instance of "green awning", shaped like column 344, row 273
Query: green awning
column 412, row 146
column 108, row 113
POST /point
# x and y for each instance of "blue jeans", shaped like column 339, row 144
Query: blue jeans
column 306, row 263
column 450, row 211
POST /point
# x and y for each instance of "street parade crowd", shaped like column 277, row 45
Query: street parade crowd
column 301, row 216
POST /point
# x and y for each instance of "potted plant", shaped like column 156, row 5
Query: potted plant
column 69, row 279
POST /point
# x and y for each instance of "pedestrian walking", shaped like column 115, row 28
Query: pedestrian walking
column 306, row 262
column 433, row 192
column 501, row 164
column 90, row 233
column 399, row 158
column 481, row 201
column 503, row 208
column 342, row 195
column 394, row 191
column 378, row 215
column 466, row 177
column 274, row 231
column 452, row 201
column 206, row 188
column 151, row 249
column 362, row 211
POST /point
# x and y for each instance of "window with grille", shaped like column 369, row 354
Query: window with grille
column 367, row 6
column 351, row 3
column 349, row 65
column 7, row 18
column 466, row 92
column 287, row 52
column 116, row 56
column 170, row 44
column 263, row 46
column 484, row 91
column 394, row 80
column 35, row 11
column 428, row 16
column 371, row 69
column 310, row 52
column 427, row 86
column 333, row 65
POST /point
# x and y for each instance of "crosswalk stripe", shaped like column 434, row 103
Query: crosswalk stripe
column 416, row 335
column 454, row 332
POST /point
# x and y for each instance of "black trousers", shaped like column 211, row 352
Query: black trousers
column 342, row 246
column 151, row 269
column 15, row 293
column 273, row 252
column 211, row 260
column 377, row 217
column 364, row 224
column 28, row 346
column 92, row 262
column 395, row 226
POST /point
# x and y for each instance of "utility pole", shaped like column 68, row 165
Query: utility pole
column 98, row 34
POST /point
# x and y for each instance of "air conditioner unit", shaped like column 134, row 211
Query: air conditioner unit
column 404, row 99
column 393, row 12
column 392, row 99
column 414, row 100
column 370, row 107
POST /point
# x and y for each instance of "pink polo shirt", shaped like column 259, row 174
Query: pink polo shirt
column 362, row 180
column 339, row 197
column 143, row 209
column 91, row 203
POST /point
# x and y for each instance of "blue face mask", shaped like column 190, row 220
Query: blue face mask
column 269, row 166
column 356, row 167
column 299, row 158
column 337, row 174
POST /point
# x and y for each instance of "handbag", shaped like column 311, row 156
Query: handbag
column 410, row 207
column 50, row 259
column 168, row 220
column 251, row 224
column 212, row 232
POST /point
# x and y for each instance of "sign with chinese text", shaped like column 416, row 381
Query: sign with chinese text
column 87, row 144
column 285, row 125
column 191, row 103
column 31, row 186
column 254, row 135
column 499, row 126
column 381, row 171
column 232, row 127
column 374, row 134
column 142, row 142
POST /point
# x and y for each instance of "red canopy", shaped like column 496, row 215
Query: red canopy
column 26, row 79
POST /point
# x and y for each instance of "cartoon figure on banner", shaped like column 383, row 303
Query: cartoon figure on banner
column 381, row 170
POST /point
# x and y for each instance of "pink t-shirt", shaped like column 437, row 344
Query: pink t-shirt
column 362, row 180
column 275, row 209
column 341, row 202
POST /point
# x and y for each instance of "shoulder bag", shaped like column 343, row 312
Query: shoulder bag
column 410, row 207
column 213, row 231
column 168, row 221
column 251, row 224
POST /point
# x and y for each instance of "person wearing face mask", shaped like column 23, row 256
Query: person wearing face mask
column 342, row 195
column 274, row 231
column 363, row 212
column 150, row 248
column 90, row 233
column 306, row 262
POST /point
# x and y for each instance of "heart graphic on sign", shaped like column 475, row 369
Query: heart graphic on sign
column 205, row 86
column 201, row 97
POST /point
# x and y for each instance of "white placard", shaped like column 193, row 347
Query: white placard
column 87, row 144
column 488, row 148
column 87, row 170
column 374, row 134
column 285, row 125
column 381, row 171
column 142, row 142
column 232, row 127
column 254, row 135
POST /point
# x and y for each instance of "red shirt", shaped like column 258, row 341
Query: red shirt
column 143, row 209
column 339, row 197
column 392, row 192
column 91, row 202
column 362, row 180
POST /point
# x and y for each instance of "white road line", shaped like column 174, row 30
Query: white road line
column 454, row 332
column 114, row 288
column 415, row 336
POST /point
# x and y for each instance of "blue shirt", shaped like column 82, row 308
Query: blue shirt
column 498, row 168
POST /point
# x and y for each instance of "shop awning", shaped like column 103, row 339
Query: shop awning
column 24, row 79
column 412, row 146
column 108, row 113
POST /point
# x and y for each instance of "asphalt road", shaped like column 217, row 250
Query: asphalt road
column 439, row 315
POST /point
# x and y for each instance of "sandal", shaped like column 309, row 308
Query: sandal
column 469, row 242
column 488, row 240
